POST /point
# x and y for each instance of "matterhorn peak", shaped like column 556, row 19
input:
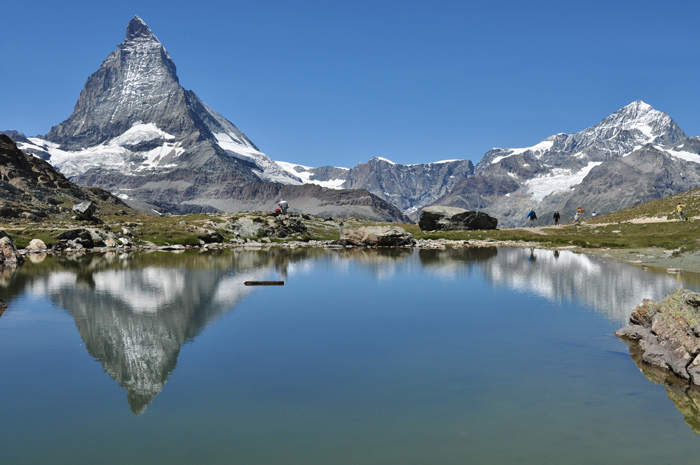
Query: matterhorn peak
column 137, row 29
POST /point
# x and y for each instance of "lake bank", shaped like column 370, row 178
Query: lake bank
column 664, row 245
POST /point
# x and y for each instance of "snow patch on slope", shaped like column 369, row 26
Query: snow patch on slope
column 114, row 154
column 305, row 175
column 269, row 170
column 687, row 156
column 558, row 180
column 538, row 150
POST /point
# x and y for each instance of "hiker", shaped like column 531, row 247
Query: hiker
column 533, row 216
column 556, row 217
column 577, row 216
column 283, row 206
column 679, row 209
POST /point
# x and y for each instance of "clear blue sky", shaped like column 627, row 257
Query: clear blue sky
column 337, row 83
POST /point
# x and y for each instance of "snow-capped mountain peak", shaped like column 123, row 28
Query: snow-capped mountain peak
column 133, row 117
column 629, row 128
column 638, row 116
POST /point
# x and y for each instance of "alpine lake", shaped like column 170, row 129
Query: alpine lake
column 384, row 356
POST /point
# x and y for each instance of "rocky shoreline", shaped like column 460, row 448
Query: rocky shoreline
column 257, row 230
column 667, row 333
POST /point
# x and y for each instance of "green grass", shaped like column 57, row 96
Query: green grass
column 22, row 237
column 612, row 230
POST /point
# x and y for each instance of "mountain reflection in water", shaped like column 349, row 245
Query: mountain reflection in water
column 613, row 289
column 135, row 311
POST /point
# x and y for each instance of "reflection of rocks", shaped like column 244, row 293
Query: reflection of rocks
column 684, row 396
column 442, row 257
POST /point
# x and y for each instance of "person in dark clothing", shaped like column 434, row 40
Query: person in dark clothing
column 556, row 218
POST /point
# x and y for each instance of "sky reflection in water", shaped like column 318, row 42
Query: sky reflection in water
column 392, row 356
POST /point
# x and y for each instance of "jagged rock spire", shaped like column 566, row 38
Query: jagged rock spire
column 137, row 29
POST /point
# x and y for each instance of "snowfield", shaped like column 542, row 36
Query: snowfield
column 114, row 154
column 558, row 180
column 306, row 174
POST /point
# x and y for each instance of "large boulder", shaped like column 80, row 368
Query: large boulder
column 81, row 238
column 211, row 237
column 36, row 246
column 439, row 218
column 9, row 255
column 85, row 210
column 667, row 333
column 377, row 236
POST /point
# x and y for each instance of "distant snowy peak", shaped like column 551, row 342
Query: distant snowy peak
column 651, row 125
column 617, row 135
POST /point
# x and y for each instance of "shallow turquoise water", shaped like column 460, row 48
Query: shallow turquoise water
column 493, row 356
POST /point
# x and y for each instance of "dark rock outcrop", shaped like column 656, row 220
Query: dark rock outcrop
column 30, row 187
column 667, row 333
column 452, row 218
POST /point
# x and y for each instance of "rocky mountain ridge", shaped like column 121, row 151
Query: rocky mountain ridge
column 136, row 132
column 409, row 187
column 634, row 155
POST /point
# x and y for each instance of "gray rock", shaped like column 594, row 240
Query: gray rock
column 667, row 333
column 35, row 246
column 452, row 218
column 29, row 216
column 81, row 237
column 211, row 237
column 85, row 210
column 409, row 187
column 377, row 236
column 9, row 255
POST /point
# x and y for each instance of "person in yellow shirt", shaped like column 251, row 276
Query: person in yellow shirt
column 679, row 209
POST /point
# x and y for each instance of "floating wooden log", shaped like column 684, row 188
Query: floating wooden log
column 263, row 283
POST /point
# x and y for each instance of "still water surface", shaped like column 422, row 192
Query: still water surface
column 479, row 356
